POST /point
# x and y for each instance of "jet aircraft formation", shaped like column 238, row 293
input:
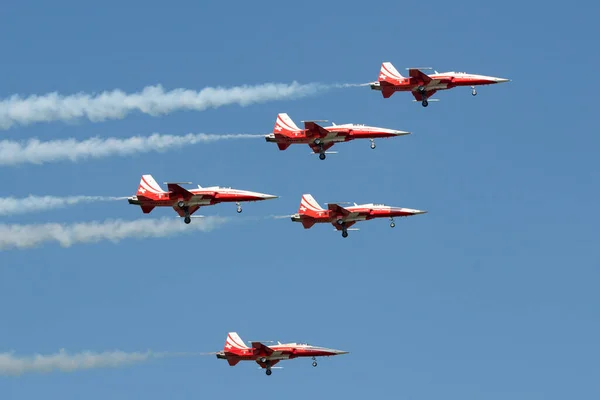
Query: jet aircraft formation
column 320, row 139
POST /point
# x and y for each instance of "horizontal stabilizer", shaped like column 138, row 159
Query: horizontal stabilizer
column 147, row 209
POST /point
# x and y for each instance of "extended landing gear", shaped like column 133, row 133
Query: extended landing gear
column 186, row 210
column 343, row 225
column 373, row 144
column 392, row 223
column 423, row 93
column 267, row 365
column 314, row 363
column 473, row 91
column 239, row 207
column 319, row 143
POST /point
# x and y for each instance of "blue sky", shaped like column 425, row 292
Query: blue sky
column 492, row 294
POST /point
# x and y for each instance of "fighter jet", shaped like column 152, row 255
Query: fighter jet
column 423, row 86
column 187, row 202
column 235, row 350
column 342, row 218
column 320, row 139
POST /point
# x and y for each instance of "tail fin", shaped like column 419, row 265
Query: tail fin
column 148, row 188
column 234, row 344
column 388, row 73
column 285, row 126
column 309, row 206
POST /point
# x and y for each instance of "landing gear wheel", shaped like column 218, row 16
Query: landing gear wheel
column 373, row 144
column 344, row 233
column 268, row 372
column 322, row 156
column 425, row 103
column 180, row 204
column 187, row 220
column 392, row 224
column 473, row 92
column 239, row 207
column 314, row 363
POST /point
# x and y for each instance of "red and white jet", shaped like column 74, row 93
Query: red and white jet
column 342, row 218
column 267, row 356
column 320, row 139
column 423, row 86
column 187, row 202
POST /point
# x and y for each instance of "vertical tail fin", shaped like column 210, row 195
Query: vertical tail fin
column 309, row 206
column 234, row 344
column 148, row 188
column 389, row 74
column 285, row 126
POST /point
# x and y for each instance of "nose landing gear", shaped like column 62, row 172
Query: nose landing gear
column 392, row 223
column 373, row 144
column 473, row 91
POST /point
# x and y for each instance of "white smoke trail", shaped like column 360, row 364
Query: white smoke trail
column 36, row 152
column 62, row 361
column 12, row 205
column 27, row 236
column 152, row 100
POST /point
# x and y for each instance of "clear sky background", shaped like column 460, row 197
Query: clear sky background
column 491, row 295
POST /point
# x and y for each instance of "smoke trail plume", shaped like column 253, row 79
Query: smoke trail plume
column 66, row 235
column 62, row 361
column 152, row 100
column 36, row 152
column 12, row 206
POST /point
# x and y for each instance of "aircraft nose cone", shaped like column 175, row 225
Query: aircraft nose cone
column 339, row 352
column 400, row 133
column 268, row 196
column 417, row 212
column 501, row 80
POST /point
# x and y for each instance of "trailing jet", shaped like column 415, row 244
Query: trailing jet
column 320, row 139
column 423, row 86
column 187, row 202
column 342, row 218
column 267, row 356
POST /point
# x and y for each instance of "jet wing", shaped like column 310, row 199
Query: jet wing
column 181, row 213
column 314, row 129
column 338, row 209
column 417, row 74
column 179, row 191
column 262, row 349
